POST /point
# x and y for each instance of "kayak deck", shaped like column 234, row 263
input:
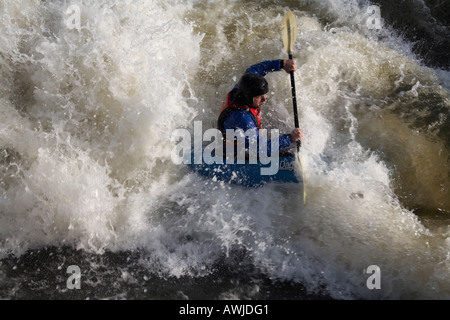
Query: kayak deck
column 250, row 175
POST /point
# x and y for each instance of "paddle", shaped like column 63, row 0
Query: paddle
column 289, row 35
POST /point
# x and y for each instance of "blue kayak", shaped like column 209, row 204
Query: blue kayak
column 250, row 175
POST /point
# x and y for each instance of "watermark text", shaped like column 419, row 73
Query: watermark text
column 374, row 20
column 73, row 20
column 239, row 147
column 374, row 281
column 74, row 281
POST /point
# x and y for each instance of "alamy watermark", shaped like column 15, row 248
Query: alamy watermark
column 374, row 281
column 73, row 20
column 239, row 147
column 373, row 21
column 74, row 280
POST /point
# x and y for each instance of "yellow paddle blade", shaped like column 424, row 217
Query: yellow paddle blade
column 303, row 177
column 289, row 31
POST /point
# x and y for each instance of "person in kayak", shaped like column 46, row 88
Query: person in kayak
column 242, row 106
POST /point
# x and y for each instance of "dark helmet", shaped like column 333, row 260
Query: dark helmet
column 252, row 85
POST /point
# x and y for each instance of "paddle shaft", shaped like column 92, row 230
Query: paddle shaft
column 288, row 35
column 294, row 96
column 294, row 101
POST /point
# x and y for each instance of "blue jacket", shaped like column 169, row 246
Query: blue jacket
column 242, row 119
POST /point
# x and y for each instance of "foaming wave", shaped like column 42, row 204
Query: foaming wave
column 88, row 114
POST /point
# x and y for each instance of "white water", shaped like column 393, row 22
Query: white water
column 87, row 115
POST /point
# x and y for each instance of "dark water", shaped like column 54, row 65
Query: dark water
column 425, row 24
column 121, row 276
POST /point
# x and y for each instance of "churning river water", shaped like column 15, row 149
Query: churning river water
column 91, row 92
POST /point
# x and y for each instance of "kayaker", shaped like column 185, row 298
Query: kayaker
column 242, row 106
